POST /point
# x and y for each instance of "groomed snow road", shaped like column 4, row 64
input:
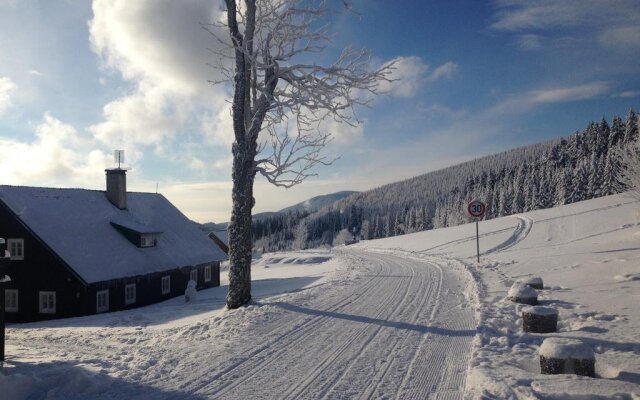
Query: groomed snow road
column 400, row 330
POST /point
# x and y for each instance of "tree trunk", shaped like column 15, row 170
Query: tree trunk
column 240, row 228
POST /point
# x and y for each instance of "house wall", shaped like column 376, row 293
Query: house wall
column 42, row 270
column 149, row 287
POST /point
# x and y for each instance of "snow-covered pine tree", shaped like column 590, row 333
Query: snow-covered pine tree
column 580, row 181
column 631, row 128
column 593, row 180
column 610, row 184
column 616, row 136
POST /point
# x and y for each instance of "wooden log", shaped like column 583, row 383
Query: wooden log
column 534, row 282
column 521, row 293
column 539, row 319
column 566, row 356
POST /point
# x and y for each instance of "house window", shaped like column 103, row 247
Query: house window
column 207, row 273
column 16, row 248
column 11, row 300
column 130, row 293
column 166, row 284
column 194, row 275
column 102, row 301
column 148, row 240
column 47, row 302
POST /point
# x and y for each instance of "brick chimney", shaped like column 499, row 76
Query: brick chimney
column 117, row 187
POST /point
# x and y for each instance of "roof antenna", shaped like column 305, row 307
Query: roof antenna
column 156, row 187
column 118, row 156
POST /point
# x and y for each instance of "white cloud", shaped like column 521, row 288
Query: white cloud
column 627, row 94
column 529, row 42
column 621, row 37
column 573, row 93
column 410, row 74
column 7, row 88
column 57, row 156
column 160, row 47
column 612, row 23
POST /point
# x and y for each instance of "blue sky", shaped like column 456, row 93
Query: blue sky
column 79, row 79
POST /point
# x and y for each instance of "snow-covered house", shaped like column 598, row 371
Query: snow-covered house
column 79, row 252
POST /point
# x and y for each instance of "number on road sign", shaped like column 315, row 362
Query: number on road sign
column 476, row 209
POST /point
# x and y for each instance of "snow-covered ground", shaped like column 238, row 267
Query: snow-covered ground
column 588, row 255
column 405, row 317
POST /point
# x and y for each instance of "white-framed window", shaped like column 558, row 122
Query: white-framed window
column 207, row 273
column 47, row 302
column 166, row 284
column 143, row 241
column 102, row 300
column 16, row 248
column 11, row 300
column 194, row 275
column 130, row 293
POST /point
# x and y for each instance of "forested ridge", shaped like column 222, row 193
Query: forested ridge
column 585, row 165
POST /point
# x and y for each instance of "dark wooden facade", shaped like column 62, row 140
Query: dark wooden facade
column 42, row 270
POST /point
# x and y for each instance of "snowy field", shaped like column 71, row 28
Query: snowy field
column 406, row 317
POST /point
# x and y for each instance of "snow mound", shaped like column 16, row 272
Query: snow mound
column 521, row 291
column 564, row 348
column 532, row 281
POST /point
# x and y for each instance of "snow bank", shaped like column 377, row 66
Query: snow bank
column 521, row 291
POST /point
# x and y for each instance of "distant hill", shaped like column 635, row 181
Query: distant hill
column 310, row 205
column 318, row 202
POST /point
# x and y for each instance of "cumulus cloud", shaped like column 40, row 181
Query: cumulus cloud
column 58, row 155
column 160, row 47
column 410, row 74
column 573, row 93
column 7, row 88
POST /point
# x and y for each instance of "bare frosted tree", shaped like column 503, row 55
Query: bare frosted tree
column 281, row 103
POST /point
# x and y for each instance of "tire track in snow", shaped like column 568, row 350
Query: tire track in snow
column 525, row 223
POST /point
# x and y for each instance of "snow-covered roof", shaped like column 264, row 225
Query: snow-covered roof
column 222, row 235
column 75, row 224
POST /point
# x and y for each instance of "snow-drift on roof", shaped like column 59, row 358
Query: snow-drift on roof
column 222, row 235
column 75, row 223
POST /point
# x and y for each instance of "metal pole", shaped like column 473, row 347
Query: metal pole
column 1, row 324
column 477, row 241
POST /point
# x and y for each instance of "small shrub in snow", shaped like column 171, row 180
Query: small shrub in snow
column 521, row 293
column 538, row 319
column 191, row 293
column 566, row 356
column 535, row 282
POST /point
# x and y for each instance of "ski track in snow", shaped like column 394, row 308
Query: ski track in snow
column 386, row 338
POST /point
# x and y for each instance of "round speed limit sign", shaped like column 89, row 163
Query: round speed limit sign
column 476, row 209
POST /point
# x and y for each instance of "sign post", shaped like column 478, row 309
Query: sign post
column 4, row 261
column 476, row 210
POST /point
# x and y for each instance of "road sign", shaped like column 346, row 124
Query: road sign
column 476, row 209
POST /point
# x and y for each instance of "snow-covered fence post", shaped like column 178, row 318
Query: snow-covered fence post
column 521, row 293
column 534, row 281
column 538, row 319
column 566, row 356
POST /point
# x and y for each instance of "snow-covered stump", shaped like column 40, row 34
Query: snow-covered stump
column 567, row 356
column 534, row 282
column 521, row 293
column 539, row 319
column 191, row 292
